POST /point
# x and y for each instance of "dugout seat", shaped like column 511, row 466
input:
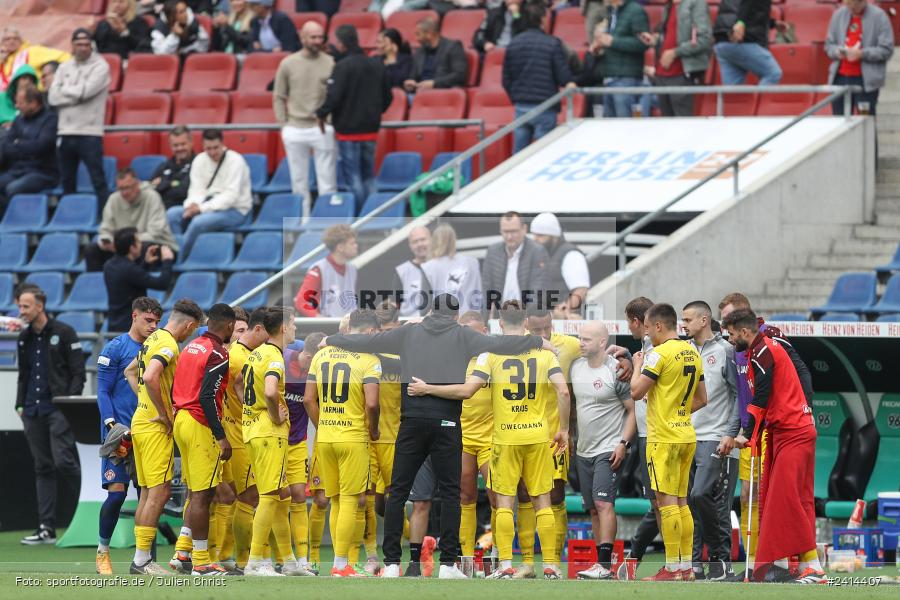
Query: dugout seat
column 260, row 251
column 208, row 72
column 151, row 73
column 88, row 293
column 201, row 286
column 13, row 255
column 242, row 282
column 274, row 210
column 853, row 292
column 830, row 415
column 886, row 474
column 258, row 71
column 462, row 24
column 75, row 212
column 405, row 21
column 52, row 284
column 368, row 26
column 393, row 217
column 212, row 251
column 398, row 171
column 146, row 165
column 56, row 252
column 25, row 213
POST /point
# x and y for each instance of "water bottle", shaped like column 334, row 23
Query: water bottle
column 124, row 445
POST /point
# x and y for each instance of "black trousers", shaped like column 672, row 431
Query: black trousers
column 52, row 446
column 418, row 439
column 72, row 149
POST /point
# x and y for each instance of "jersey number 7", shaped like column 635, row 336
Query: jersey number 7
column 689, row 371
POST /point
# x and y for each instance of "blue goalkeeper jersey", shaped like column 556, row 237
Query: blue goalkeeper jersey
column 114, row 396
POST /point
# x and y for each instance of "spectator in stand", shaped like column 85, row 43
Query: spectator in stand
column 329, row 288
column 79, row 96
column 860, row 42
column 514, row 268
column 128, row 275
column 534, row 68
column 219, row 196
column 48, row 72
column 172, row 179
column 410, row 279
column 300, row 89
column 122, row 31
column 568, row 277
column 329, row 7
column 271, row 30
column 177, row 31
column 592, row 69
column 438, row 62
column 28, row 150
column 452, row 273
column 26, row 76
column 741, row 33
column 623, row 55
column 134, row 205
column 594, row 12
column 51, row 364
column 683, row 43
column 395, row 56
column 500, row 25
column 358, row 93
column 232, row 31
column 15, row 52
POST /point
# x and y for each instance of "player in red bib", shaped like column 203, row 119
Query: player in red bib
column 788, row 518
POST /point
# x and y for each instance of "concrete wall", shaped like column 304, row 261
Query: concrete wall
column 773, row 224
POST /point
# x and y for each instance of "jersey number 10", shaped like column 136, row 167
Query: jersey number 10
column 330, row 389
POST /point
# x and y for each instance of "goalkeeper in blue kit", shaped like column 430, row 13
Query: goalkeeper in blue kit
column 116, row 401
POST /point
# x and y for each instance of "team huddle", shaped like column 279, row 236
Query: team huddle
column 237, row 401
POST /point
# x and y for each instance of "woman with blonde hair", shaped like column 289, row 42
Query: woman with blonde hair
column 122, row 32
column 231, row 31
column 451, row 273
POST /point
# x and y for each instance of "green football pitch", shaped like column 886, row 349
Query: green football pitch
column 50, row 572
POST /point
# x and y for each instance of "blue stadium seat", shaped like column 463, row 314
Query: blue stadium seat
column 261, row 251
column 838, row 317
column 788, row 317
column 52, row 285
column 305, row 243
column 889, row 318
column 200, row 286
column 212, row 251
column 280, row 182
column 894, row 265
column 7, row 287
column 398, row 171
column 13, row 251
column 145, row 166
column 259, row 170
column 84, row 185
column 331, row 209
column 56, row 252
column 81, row 322
column 158, row 295
column 9, row 353
column 443, row 158
column 275, row 209
column 890, row 299
column 25, row 213
column 241, row 282
column 853, row 292
column 165, row 317
column 392, row 218
column 75, row 212
column 88, row 293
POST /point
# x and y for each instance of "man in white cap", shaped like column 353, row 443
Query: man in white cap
column 567, row 271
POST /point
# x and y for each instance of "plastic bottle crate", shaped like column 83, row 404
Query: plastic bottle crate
column 867, row 541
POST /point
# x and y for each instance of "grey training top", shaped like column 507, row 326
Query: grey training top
column 600, row 406
column 640, row 406
column 721, row 415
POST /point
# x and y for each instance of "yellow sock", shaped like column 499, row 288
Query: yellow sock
column 687, row 535
column 506, row 529
column 545, row 523
column 316, row 530
column 201, row 554
column 281, row 530
column 300, row 529
column 467, row 524
column 333, row 518
column 224, row 533
column 262, row 526
column 143, row 537
column 272, row 550
column 184, row 543
column 526, row 527
column 358, row 534
column 671, row 534
column 809, row 556
column 242, row 527
column 213, row 533
column 493, row 525
column 371, row 537
column 345, row 526
column 561, row 523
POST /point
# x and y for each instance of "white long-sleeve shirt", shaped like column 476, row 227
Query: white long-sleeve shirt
column 230, row 188
column 458, row 275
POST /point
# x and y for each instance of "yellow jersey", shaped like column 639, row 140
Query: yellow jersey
column 264, row 361
column 676, row 368
column 569, row 350
column 477, row 418
column 339, row 376
column 520, row 392
column 233, row 410
column 161, row 346
column 389, row 398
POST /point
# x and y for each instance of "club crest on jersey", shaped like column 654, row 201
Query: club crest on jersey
column 109, row 475
column 711, row 360
column 598, row 384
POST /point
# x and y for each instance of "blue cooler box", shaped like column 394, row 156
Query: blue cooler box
column 889, row 522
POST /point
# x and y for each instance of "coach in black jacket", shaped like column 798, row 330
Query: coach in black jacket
column 51, row 364
column 436, row 350
column 438, row 62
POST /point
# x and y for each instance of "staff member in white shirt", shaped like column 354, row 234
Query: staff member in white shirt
column 567, row 270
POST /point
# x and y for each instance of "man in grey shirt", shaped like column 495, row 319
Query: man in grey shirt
column 715, row 469
column 606, row 426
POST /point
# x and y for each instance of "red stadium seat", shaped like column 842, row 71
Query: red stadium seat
column 570, row 28
column 405, row 22
column 654, row 16
column 462, row 24
column 579, row 103
column 354, row 6
column 249, row 142
column 495, row 108
column 893, row 13
column 300, row 19
column 201, row 109
column 215, row 71
column 255, row 108
column 115, row 71
column 206, row 23
column 125, row 145
column 109, row 112
column 810, row 21
column 142, row 109
column 384, row 145
column 713, row 13
column 258, row 70
column 783, row 105
column 798, row 62
column 492, row 69
column 367, row 24
column 474, row 60
column 151, row 73
column 428, row 105
column 286, row 6
column 397, row 110
column 733, row 105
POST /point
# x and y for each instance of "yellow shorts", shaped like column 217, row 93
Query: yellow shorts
column 560, row 466
column 744, row 467
column 482, row 454
column 669, row 466
column 200, row 465
column 381, row 466
column 315, row 471
column 154, row 458
column 344, row 467
column 268, row 458
column 227, row 472
column 297, row 464
column 241, row 471
column 531, row 463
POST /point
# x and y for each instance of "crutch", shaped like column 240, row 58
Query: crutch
column 749, row 515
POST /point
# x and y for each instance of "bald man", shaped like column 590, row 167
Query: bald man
column 606, row 428
column 409, row 278
column 300, row 89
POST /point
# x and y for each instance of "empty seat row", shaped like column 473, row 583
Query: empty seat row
column 856, row 293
